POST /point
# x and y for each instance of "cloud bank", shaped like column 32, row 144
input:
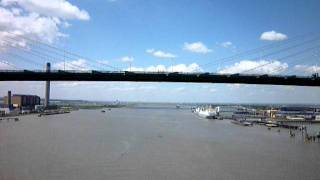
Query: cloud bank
column 194, row 67
column 307, row 69
column 36, row 19
column 265, row 67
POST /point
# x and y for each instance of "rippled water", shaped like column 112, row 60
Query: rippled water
column 154, row 143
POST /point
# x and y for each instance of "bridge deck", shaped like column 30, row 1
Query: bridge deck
column 28, row 75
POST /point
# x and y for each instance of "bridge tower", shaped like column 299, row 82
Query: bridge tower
column 47, row 92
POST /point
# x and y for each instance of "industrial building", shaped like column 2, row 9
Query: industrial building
column 297, row 113
column 22, row 100
column 19, row 104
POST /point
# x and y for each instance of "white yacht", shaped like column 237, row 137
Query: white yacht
column 207, row 112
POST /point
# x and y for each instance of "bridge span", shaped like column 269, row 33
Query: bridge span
column 59, row 75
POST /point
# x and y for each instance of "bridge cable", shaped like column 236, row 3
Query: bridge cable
column 68, row 52
column 52, row 57
column 256, row 50
column 288, row 56
column 37, row 54
column 296, row 60
column 289, row 48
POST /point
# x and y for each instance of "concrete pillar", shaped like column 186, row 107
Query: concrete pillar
column 47, row 93
column 9, row 99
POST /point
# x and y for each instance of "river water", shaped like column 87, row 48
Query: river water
column 150, row 143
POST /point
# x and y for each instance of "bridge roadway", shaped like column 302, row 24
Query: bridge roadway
column 27, row 75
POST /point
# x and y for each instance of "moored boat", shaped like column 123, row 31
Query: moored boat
column 209, row 113
column 242, row 123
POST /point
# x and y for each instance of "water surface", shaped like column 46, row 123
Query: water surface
column 150, row 143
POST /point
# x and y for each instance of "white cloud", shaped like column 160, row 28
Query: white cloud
column 54, row 8
column 161, row 54
column 264, row 67
column 127, row 59
column 79, row 64
column 307, row 69
column 35, row 19
column 6, row 41
column 105, row 62
column 135, row 69
column 4, row 65
column 273, row 36
column 194, row 67
column 196, row 47
column 158, row 68
column 226, row 44
column 43, row 28
column 150, row 51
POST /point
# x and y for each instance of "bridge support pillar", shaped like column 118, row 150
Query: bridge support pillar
column 47, row 92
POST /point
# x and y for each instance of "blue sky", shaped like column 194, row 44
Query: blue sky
column 155, row 35
column 130, row 27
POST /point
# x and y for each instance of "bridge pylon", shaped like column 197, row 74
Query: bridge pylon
column 47, row 91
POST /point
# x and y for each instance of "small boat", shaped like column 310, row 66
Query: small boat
column 271, row 125
column 246, row 123
column 242, row 123
column 103, row 111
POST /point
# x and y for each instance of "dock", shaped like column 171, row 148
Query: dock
column 52, row 113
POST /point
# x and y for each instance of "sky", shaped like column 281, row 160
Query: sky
column 164, row 35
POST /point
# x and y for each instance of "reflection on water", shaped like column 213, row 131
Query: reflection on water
column 154, row 143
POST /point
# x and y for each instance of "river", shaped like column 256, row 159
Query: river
column 150, row 143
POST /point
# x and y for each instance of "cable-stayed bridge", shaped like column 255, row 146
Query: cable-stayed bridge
column 60, row 75
column 31, row 55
